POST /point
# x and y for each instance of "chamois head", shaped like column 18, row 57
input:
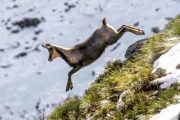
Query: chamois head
column 52, row 51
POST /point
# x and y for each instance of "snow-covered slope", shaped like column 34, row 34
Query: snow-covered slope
column 172, row 112
column 26, row 76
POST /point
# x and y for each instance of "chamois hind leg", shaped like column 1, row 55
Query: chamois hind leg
column 125, row 28
column 69, row 83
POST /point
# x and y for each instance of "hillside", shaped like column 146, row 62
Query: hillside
column 137, row 88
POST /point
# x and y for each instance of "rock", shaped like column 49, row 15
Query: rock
column 167, row 81
column 22, row 54
column 68, row 6
column 104, row 103
column 93, row 73
column 141, row 117
column 154, row 85
column 37, row 106
column 8, row 28
column 15, row 31
column 53, row 105
column 136, row 24
column 27, row 48
column 158, row 73
column 155, row 29
column 111, row 115
column 168, row 18
column 37, row 48
column 177, row 98
column 38, row 73
column 47, row 105
column 85, row 106
column 15, row 6
column 178, row 66
column 53, row 10
column 157, row 9
column 156, row 93
column 11, row 113
column 31, row 9
column 2, row 50
column 27, row 22
column 120, row 104
column 135, row 48
column 38, row 32
column 34, row 38
column 89, row 117
column 161, row 72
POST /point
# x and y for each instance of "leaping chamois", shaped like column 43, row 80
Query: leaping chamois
column 91, row 49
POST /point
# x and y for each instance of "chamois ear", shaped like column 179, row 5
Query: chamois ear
column 104, row 22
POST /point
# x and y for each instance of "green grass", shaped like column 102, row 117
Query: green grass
column 133, row 74
column 145, row 103
column 68, row 111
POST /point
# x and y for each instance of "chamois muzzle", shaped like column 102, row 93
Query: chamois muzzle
column 44, row 46
column 47, row 46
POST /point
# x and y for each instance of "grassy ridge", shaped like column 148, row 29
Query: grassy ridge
column 133, row 75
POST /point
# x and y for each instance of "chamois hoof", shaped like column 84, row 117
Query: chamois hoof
column 71, row 87
column 67, row 89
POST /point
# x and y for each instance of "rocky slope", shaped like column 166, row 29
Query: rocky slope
column 137, row 88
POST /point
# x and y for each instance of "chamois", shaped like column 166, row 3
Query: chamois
column 91, row 49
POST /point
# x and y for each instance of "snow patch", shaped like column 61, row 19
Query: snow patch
column 169, row 62
column 172, row 112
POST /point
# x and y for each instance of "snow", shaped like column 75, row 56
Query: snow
column 172, row 112
column 32, row 78
column 169, row 61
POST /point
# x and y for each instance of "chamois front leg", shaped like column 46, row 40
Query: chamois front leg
column 126, row 28
column 69, row 83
